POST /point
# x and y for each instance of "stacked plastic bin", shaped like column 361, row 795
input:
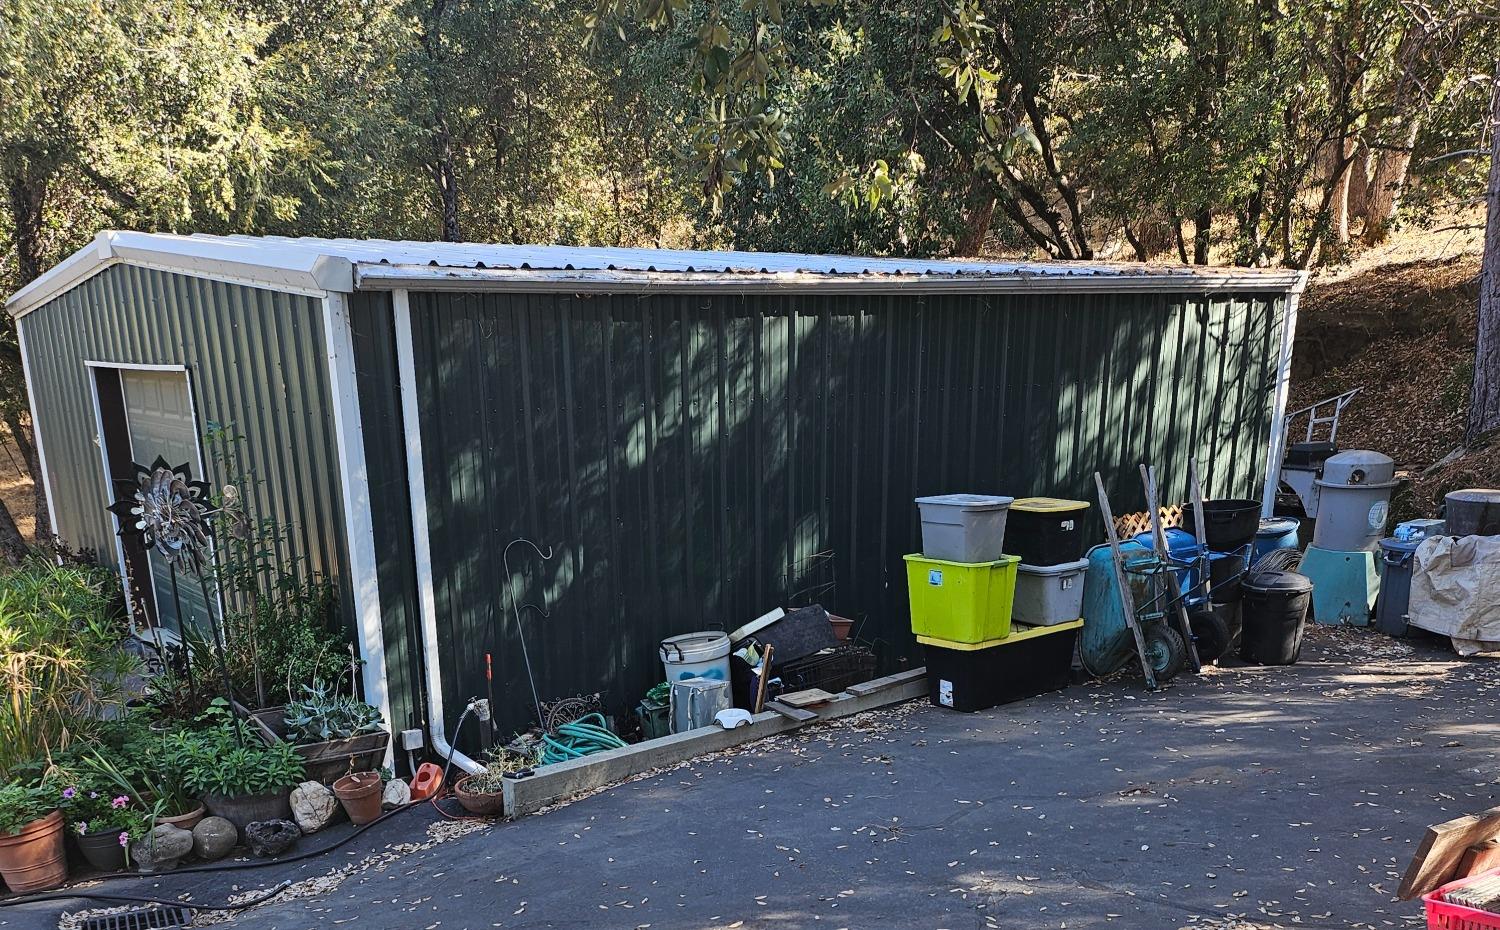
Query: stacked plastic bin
column 963, row 591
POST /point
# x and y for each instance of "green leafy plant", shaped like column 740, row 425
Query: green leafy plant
column 229, row 759
column 281, row 624
column 21, row 804
column 500, row 762
column 92, row 807
column 322, row 714
column 60, row 657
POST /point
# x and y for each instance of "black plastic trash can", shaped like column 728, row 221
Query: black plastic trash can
column 1273, row 612
column 1396, row 556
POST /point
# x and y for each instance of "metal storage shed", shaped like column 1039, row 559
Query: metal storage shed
column 680, row 426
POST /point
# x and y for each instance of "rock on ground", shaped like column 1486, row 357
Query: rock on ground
column 213, row 838
column 267, row 838
column 160, row 850
column 313, row 806
column 397, row 794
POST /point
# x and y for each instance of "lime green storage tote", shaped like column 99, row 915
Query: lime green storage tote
column 959, row 601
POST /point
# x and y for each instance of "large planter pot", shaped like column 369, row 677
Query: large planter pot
column 360, row 795
column 326, row 761
column 33, row 858
column 185, row 821
column 102, row 849
column 482, row 803
column 247, row 809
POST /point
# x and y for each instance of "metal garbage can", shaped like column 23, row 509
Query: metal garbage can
column 1396, row 556
column 1354, row 501
column 1473, row 512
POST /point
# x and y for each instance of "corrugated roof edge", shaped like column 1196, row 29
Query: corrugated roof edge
column 320, row 266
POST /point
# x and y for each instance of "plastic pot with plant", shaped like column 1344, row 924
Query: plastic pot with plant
column 240, row 777
column 104, row 822
column 31, row 838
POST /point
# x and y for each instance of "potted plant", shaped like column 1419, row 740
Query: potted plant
column 483, row 792
column 103, row 823
column 240, row 777
column 335, row 734
column 149, row 773
column 359, row 793
column 31, row 838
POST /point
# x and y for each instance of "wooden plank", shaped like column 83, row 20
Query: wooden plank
column 1442, row 849
column 806, row 698
column 889, row 681
column 1167, row 584
column 791, row 713
column 1122, row 581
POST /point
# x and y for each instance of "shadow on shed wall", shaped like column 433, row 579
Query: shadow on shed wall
column 680, row 452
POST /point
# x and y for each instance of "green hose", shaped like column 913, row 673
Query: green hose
column 582, row 737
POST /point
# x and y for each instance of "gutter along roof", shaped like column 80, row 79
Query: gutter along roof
column 320, row 266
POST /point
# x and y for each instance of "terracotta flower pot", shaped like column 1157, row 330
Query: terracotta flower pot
column 102, row 849
column 360, row 795
column 33, row 859
column 185, row 821
column 484, row 804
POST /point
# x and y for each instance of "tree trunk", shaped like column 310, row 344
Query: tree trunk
column 981, row 214
column 1388, row 184
column 1338, row 220
column 27, row 194
column 1484, row 402
column 1359, row 183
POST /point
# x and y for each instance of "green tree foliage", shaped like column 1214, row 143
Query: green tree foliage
column 1255, row 132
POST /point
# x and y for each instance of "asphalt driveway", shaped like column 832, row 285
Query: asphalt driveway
column 1246, row 798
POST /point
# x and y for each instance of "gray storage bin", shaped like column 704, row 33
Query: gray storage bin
column 963, row 527
column 1047, row 595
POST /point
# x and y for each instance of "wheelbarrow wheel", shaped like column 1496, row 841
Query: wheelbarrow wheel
column 1165, row 651
column 1210, row 634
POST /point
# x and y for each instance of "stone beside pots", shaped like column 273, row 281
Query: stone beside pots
column 360, row 795
column 33, row 859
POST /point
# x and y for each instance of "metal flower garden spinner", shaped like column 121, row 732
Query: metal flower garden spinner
column 170, row 512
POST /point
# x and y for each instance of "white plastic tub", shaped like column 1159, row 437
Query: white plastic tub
column 1047, row 595
column 696, row 655
column 966, row 528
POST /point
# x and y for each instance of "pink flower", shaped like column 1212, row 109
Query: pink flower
column 125, row 838
column 121, row 801
column 70, row 793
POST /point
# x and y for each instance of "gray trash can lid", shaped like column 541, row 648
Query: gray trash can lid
column 969, row 501
column 1392, row 544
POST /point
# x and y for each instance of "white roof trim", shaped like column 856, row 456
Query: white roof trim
column 423, row 278
column 321, row 266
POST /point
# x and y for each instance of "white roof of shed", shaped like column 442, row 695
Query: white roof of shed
column 320, row 266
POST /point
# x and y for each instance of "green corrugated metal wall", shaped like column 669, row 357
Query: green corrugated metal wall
column 256, row 362
column 679, row 452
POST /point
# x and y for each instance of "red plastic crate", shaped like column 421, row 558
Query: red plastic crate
column 1442, row 915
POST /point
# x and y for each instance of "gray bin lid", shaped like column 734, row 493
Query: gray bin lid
column 969, row 501
column 1358, row 467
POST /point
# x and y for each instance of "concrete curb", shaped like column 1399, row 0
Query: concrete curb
column 552, row 783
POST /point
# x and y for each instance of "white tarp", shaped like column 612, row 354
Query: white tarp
column 1455, row 591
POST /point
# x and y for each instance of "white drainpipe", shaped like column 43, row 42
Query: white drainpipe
column 421, row 547
column 1277, row 446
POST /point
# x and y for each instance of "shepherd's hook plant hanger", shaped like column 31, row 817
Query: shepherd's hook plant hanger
column 518, row 608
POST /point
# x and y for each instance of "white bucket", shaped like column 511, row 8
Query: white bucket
column 696, row 655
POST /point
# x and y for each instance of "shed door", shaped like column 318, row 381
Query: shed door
column 152, row 414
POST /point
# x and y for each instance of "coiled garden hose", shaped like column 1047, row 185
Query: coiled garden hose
column 582, row 737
